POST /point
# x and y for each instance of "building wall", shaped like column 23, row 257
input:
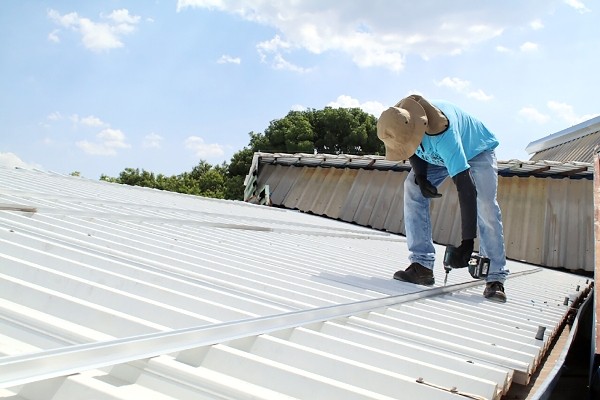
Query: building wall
column 547, row 221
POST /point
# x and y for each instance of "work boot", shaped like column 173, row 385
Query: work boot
column 495, row 291
column 416, row 273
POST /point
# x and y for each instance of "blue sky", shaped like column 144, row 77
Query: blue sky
column 100, row 86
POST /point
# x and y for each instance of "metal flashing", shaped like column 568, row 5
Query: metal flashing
column 572, row 133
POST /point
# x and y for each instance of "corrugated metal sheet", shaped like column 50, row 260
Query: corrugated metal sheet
column 542, row 168
column 580, row 149
column 595, row 361
column 547, row 221
column 567, row 140
column 117, row 292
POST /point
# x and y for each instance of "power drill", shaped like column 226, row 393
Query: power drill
column 478, row 266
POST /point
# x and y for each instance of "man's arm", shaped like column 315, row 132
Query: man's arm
column 467, row 199
column 419, row 167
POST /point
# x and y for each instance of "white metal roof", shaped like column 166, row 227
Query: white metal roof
column 118, row 292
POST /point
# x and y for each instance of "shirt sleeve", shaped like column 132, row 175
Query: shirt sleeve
column 467, row 200
column 418, row 165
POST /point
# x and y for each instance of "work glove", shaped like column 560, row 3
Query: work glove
column 427, row 189
column 462, row 254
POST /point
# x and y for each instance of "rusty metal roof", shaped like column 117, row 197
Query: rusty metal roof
column 580, row 149
column 577, row 143
column 542, row 168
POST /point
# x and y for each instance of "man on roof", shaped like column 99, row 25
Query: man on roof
column 439, row 139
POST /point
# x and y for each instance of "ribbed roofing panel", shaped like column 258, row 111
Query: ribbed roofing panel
column 547, row 221
column 542, row 168
column 117, row 292
column 581, row 149
column 571, row 134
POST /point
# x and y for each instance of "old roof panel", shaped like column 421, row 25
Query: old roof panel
column 538, row 167
column 571, row 134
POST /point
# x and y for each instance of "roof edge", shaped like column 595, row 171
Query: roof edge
column 540, row 168
column 566, row 135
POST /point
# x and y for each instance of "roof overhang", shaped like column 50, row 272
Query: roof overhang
column 542, row 168
column 566, row 135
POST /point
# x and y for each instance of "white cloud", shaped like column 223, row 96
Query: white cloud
column 457, row 84
column 578, row 5
column 89, row 121
column 53, row 36
column 298, row 107
column 55, row 116
column 124, row 22
column 532, row 114
column 226, row 59
column 281, row 63
column 202, row 149
column 107, row 143
column 464, row 87
column 536, row 24
column 567, row 113
column 152, row 140
column 372, row 107
column 11, row 160
column 528, row 47
column 502, row 49
column 479, row 95
column 273, row 45
column 371, row 36
column 271, row 51
column 563, row 111
column 98, row 36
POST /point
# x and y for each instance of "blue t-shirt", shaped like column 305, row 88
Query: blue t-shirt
column 465, row 138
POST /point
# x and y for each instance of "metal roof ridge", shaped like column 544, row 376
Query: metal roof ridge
column 566, row 135
column 324, row 156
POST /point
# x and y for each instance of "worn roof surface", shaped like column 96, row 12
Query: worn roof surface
column 577, row 143
column 118, row 292
column 539, row 168
column 547, row 206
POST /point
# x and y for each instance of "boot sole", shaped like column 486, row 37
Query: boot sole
column 399, row 276
column 497, row 299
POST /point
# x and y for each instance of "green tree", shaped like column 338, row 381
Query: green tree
column 345, row 131
column 259, row 142
column 241, row 161
column 107, row 178
column 130, row 176
column 331, row 130
column 291, row 134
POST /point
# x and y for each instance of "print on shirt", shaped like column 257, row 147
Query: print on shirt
column 431, row 158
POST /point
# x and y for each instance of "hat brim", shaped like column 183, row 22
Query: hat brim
column 403, row 145
column 399, row 154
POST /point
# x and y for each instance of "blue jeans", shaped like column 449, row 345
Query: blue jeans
column 417, row 221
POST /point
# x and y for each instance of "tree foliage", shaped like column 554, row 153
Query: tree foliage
column 331, row 131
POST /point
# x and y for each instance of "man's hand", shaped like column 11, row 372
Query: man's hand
column 462, row 254
column 427, row 189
